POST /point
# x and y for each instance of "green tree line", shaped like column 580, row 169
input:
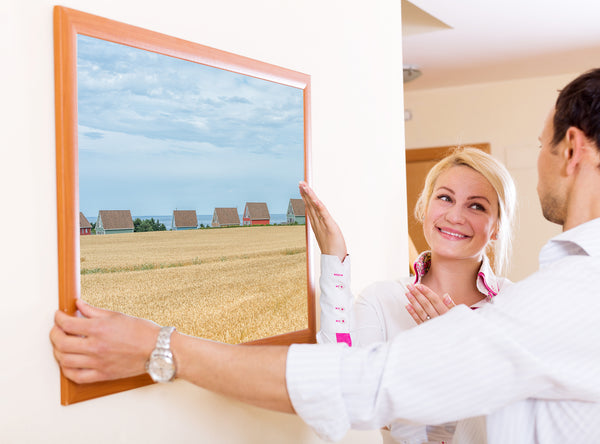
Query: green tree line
column 140, row 225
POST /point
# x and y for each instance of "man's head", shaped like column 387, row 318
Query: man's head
column 578, row 105
column 570, row 138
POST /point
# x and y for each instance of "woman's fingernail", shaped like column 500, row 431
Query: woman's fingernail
column 447, row 299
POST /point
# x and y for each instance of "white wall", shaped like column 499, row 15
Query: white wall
column 509, row 115
column 351, row 48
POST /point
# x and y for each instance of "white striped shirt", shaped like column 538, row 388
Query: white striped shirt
column 530, row 362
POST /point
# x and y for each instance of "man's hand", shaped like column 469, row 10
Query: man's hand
column 101, row 345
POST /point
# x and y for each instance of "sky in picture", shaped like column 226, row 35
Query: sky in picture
column 158, row 133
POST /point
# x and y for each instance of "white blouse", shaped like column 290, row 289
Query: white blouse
column 379, row 314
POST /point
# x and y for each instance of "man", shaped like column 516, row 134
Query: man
column 530, row 361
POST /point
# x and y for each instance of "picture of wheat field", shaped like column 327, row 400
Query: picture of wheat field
column 227, row 284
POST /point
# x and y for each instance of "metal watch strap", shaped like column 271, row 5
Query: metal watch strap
column 164, row 338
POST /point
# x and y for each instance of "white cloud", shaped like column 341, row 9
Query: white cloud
column 157, row 133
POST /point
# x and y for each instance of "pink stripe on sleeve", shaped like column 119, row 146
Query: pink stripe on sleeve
column 344, row 337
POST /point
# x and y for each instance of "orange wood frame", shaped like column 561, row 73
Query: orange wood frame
column 67, row 24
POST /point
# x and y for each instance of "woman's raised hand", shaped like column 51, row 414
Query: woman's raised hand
column 328, row 234
column 425, row 304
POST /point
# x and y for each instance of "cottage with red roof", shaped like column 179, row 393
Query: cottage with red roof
column 256, row 213
column 85, row 227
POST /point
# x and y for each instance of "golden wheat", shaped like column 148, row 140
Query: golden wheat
column 232, row 285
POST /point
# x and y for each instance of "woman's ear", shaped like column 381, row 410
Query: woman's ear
column 494, row 235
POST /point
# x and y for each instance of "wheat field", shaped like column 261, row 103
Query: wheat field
column 230, row 284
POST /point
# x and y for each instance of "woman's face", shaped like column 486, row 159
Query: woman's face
column 462, row 214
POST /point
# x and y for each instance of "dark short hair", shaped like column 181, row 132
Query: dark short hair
column 578, row 105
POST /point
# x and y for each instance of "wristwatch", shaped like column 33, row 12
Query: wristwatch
column 161, row 364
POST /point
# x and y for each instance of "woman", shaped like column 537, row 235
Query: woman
column 467, row 208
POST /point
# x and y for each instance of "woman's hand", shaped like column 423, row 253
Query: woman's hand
column 426, row 304
column 328, row 234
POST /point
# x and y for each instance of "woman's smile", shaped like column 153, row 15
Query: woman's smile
column 452, row 234
column 462, row 215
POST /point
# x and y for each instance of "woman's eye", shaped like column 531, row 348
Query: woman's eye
column 444, row 197
column 478, row 207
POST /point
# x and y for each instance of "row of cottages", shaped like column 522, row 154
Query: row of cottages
column 184, row 220
column 255, row 213
column 296, row 212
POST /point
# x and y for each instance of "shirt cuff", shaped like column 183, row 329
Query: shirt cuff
column 312, row 375
column 331, row 265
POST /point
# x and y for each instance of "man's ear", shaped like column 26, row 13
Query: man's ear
column 574, row 149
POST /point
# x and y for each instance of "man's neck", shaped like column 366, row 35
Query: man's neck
column 584, row 197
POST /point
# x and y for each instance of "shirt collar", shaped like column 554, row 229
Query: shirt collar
column 487, row 282
column 584, row 239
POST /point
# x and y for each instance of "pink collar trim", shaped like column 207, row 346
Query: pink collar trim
column 487, row 282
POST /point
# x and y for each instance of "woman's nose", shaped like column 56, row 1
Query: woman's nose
column 455, row 215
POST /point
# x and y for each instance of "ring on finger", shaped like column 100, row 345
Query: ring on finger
column 428, row 318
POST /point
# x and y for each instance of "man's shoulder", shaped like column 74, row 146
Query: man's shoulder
column 561, row 279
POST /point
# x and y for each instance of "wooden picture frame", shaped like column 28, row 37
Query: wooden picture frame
column 68, row 23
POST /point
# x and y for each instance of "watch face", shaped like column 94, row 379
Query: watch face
column 161, row 368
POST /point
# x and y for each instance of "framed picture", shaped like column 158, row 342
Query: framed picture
column 177, row 186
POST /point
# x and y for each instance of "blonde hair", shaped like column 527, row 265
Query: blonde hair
column 502, row 182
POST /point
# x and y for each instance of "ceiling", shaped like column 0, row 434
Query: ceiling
column 475, row 41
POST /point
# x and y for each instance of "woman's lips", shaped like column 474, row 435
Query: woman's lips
column 451, row 234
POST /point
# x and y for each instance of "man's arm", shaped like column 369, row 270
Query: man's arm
column 105, row 345
column 537, row 340
column 534, row 342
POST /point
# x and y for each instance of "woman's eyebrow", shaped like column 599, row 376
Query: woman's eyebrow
column 479, row 197
column 450, row 190
column 445, row 188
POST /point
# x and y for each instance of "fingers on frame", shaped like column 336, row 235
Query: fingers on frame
column 81, row 375
column 64, row 343
column 70, row 324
